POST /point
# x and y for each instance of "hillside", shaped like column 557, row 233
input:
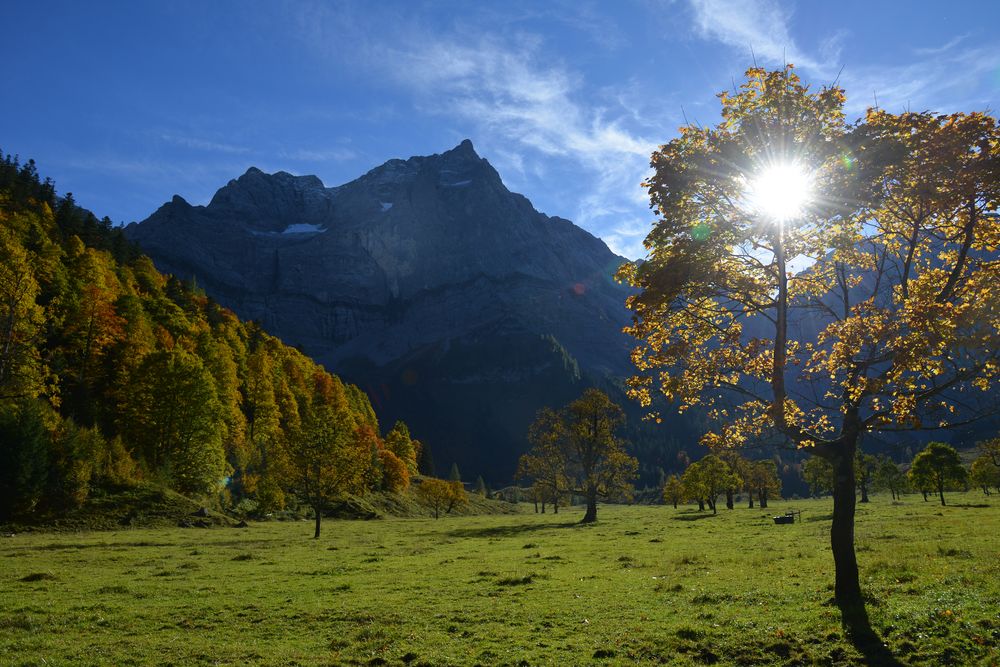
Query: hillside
column 113, row 374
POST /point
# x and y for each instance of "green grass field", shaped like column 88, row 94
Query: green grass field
column 646, row 585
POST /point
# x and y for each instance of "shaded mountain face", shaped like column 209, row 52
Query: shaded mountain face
column 460, row 307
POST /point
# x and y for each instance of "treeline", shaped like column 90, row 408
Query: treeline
column 728, row 474
column 934, row 470
column 111, row 373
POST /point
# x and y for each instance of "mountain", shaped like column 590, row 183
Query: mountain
column 450, row 299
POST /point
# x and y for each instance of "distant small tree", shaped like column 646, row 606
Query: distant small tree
column 545, row 464
column 991, row 448
column 440, row 495
column 739, row 466
column 578, row 446
column 936, row 467
column 818, row 474
column 864, row 472
column 673, row 490
column 454, row 475
column 764, row 476
column 481, row 486
column 458, row 497
column 889, row 477
column 694, row 486
column 708, row 478
column 984, row 474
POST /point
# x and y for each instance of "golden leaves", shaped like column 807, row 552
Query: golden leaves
column 900, row 306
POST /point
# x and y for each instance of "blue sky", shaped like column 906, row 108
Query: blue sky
column 126, row 104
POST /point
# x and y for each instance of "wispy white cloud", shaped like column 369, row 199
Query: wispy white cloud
column 757, row 26
column 199, row 144
column 949, row 80
column 944, row 48
column 941, row 78
column 515, row 96
column 336, row 154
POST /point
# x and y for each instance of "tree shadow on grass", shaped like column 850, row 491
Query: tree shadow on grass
column 693, row 516
column 863, row 637
column 510, row 531
column 971, row 505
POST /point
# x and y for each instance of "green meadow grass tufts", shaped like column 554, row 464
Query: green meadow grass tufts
column 643, row 586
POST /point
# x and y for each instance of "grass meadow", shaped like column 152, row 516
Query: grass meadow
column 645, row 585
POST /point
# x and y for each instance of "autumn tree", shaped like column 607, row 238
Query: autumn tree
column 895, row 319
column 399, row 442
column 937, row 467
column 263, row 465
column 545, row 463
column 889, row 477
column 764, row 480
column 705, row 479
column 21, row 318
column 440, row 495
column 395, row 472
column 327, row 459
column 673, row 490
column 171, row 418
column 580, row 443
column 818, row 474
column 739, row 466
column 865, row 466
column 991, row 448
column 984, row 474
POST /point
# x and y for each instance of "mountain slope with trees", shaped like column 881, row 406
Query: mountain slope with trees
column 112, row 373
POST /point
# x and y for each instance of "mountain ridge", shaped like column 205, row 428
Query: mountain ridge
column 381, row 277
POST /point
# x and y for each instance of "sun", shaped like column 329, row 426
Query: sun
column 780, row 192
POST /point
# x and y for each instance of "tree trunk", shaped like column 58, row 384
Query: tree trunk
column 864, row 493
column 536, row 507
column 847, row 586
column 750, row 498
column 591, row 515
column 924, row 493
column 701, row 505
column 941, row 493
column 319, row 519
column 729, row 499
column 555, row 505
column 543, row 507
column 675, row 504
column 711, row 503
column 763, row 499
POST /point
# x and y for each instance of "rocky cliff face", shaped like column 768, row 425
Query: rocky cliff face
column 460, row 306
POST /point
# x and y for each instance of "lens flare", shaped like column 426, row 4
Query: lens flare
column 780, row 192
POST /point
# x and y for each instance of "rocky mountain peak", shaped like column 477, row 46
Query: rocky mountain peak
column 271, row 202
column 427, row 269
